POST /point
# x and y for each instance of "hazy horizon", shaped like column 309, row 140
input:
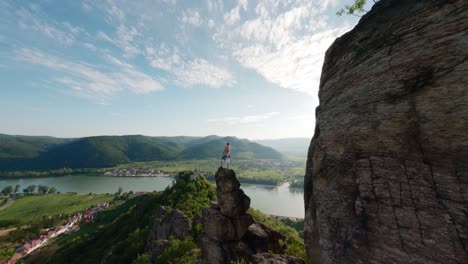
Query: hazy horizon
column 85, row 68
column 120, row 135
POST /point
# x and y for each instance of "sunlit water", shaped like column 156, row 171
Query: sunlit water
column 280, row 200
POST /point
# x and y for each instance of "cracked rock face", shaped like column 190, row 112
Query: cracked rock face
column 231, row 198
column 387, row 170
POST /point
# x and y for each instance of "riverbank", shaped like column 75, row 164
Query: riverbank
column 257, row 171
column 270, row 199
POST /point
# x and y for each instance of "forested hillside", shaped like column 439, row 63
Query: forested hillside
column 30, row 153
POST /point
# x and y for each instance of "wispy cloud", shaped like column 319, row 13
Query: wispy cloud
column 188, row 72
column 248, row 119
column 32, row 18
column 89, row 81
column 284, row 41
column 215, row 5
column 233, row 16
column 201, row 72
column 192, row 17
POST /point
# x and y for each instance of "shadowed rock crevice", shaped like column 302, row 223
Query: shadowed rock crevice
column 387, row 169
column 168, row 223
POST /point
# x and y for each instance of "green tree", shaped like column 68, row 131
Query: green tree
column 52, row 190
column 142, row 259
column 17, row 187
column 31, row 188
column 43, row 189
column 356, row 7
column 7, row 190
column 120, row 190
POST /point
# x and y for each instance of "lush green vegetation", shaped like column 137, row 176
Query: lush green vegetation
column 119, row 235
column 20, row 153
column 26, row 147
column 273, row 172
column 48, row 173
column 357, row 7
column 33, row 208
column 293, row 240
column 123, row 230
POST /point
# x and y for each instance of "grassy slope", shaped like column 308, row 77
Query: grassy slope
column 124, row 229
column 34, row 207
column 119, row 235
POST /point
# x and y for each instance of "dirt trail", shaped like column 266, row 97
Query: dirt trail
column 6, row 231
column 8, row 203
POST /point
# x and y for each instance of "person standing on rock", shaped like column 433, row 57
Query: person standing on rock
column 226, row 155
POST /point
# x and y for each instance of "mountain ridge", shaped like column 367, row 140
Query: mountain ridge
column 39, row 152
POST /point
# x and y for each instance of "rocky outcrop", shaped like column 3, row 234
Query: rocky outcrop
column 230, row 234
column 168, row 223
column 387, row 171
column 268, row 258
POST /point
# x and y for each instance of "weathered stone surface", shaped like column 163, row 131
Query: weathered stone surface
column 262, row 238
column 222, row 228
column 169, row 222
column 387, row 170
column 231, row 198
column 267, row 258
column 230, row 234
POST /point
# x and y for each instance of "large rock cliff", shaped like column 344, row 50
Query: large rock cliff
column 387, row 172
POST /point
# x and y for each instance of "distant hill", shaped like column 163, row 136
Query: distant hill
column 241, row 149
column 29, row 152
column 26, row 146
column 288, row 146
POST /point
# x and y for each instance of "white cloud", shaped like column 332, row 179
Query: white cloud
column 211, row 23
column 215, row 5
column 241, row 120
column 33, row 19
column 233, row 16
column 284, row 41
column 90, row 82
column 90, row 46
column 243, row 4
column 192, row 17
column 295, row 66
column 201, row 72
column 189, row 72
column 165, row 59
column 126, row 36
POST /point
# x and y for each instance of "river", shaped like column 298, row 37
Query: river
column 274, row 200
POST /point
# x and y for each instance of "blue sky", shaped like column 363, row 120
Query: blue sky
column 250, row 69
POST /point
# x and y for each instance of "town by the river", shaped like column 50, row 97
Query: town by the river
column 274, row 200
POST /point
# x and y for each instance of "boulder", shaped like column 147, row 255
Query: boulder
column 168, row 222
column 387, row 170
column 262, row 238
